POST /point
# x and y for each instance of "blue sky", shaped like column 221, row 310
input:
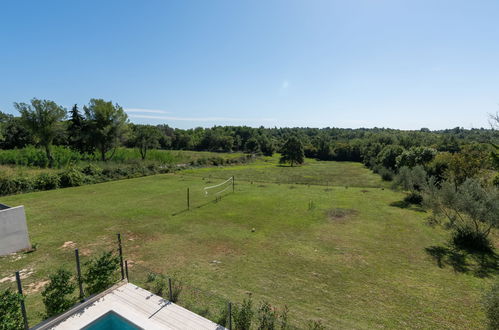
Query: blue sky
column 401, row 64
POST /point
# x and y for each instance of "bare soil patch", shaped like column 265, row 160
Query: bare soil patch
column 340, row 214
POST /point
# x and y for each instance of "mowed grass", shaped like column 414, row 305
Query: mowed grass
column 267, row 169
column 352, row 260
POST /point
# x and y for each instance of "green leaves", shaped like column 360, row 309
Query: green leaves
column 58, row 294
column 10, row 311
column 99, row 271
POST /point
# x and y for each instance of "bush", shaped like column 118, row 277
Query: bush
column 47, row 181
column 99, row 272
column 10, row 311
column 57, row 295
column 15, row 185
column 414, row 198
column 315, row 325
column 92, row 170
column 72, row 177
column 491, row 303
column 243, row 315
column 386, row 174
column 468, row 239
column 267, row 316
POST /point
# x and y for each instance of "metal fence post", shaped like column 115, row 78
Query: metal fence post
column 170, row 293
column 78, row 274
column 120, row 250
column 188, row 200
column 229, row 307
column 126, row 270
column 232, row 183
column 23, row 307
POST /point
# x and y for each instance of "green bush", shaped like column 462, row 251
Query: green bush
column 98, row 275
column 72, row 177
column 468, row 239
column 492, row 306
column 58, row 294
column 15, row 185
column 267, row 316
column 10, row 311
column 315, row 325
column 243, row 315
column 47, row 181
column 414, row 198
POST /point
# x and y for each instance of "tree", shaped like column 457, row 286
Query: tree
column 388, row 156
column 252, row 145
column 471, row 209
column 416, row 156
column 57, row 295
column 146, row 137
column 292, row 152
column 78, row 137
column 468, row 163
column 266, row 145
column 99, row 271
column 14, row 133
column 107, row 125
column 43, row 119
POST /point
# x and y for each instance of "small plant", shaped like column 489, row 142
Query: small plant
column 267, row 316
column 57, row 295
column 243, row 315
column 99, row 272
column 492, row 306
column 283, row 319
column 315, row 325
column 176, row 290
column 222, row 317
column 10, row 311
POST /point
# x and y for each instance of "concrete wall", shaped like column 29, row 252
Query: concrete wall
column 13, row 230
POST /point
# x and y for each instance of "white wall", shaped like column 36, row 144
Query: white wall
column 13, row 230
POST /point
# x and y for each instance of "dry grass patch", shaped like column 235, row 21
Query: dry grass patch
column 340, row 214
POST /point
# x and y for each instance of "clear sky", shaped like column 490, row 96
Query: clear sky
column 387, row 63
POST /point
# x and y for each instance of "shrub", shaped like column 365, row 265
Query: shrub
column 243, row 315
column 47, row 181
column 92, row 170
column 386, row 174
column 10, row 311
column 57, row 295
column 491, row 303
column 222, row 317
column 468, row 239
column 414, row 198
column 72, row 177
column 15, row 185
column 267, row 316
column 315, row 325
column 99, row 272
column 157, row 284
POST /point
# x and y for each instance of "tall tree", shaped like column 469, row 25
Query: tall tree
column 107, row 125
column 78, row 132
column 43, row 119
column 145, row 137
column 292, row 152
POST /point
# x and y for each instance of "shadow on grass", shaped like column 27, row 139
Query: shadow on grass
column 408, row 206
column 480, row 264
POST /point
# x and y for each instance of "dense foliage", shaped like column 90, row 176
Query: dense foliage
column 10, row 311
column 58, row 294
column 99, row 271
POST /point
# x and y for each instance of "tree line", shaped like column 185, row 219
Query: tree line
column 101, row 126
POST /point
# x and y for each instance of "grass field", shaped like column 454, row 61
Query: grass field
column 353, row 260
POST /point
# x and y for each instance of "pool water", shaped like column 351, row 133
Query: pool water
column 111, row 321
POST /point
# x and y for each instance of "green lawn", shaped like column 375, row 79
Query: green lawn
column 352, row 261
column 267, row 169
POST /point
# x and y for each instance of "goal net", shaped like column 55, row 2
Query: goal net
column 220, row 188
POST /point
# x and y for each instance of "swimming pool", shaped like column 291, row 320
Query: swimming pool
column 111, row 321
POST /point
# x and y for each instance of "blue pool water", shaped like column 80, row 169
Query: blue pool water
column 111, row 321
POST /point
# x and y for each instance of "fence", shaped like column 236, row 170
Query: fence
column 212, row 306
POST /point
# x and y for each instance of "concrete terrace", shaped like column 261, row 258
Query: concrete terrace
column 137, row 305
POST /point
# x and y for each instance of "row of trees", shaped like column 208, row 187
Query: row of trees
column 102, row 126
